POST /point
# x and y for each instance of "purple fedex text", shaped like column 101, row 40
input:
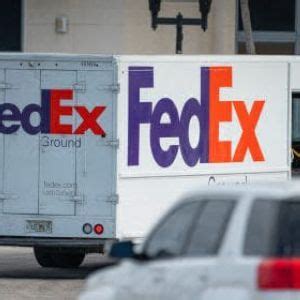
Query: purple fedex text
column 143, row 112
column 210, row 111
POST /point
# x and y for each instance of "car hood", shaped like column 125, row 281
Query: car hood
column 166, row 279
column 127, row 280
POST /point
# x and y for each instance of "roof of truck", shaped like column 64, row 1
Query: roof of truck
column 151, row 58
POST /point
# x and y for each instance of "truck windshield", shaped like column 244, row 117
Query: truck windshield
column 273, row 229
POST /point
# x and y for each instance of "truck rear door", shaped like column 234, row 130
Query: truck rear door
column 20, row 155
column 96, row 158
column 62, row 171
column 77, row 171
column 57, row 151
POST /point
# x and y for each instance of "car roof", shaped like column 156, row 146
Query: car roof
column 272, row 190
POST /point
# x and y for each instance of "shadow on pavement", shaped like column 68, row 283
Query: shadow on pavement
column 19, row 263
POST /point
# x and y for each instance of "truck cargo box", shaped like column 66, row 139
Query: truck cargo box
column 95, row 148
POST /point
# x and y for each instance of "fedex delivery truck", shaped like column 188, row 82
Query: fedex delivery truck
column 95, row 148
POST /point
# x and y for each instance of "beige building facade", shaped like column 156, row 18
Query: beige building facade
column 124, row 27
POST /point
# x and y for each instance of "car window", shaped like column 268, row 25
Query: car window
column 170, row 235
column 289, row 229
column 208, row 231
column 273, row 229
column 262, row 228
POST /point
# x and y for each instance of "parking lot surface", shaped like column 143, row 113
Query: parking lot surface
column 22, row 278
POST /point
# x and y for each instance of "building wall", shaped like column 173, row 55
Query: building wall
column 123, row 27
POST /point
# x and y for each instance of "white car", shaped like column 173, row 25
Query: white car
column 238, row 243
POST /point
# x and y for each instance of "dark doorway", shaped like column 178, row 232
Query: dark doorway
column 10, row 25
column 296, row 134
column 271, row 15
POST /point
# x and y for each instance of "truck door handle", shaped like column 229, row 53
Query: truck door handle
column 77, row 199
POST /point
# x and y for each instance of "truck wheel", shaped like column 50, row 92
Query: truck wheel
column 68, row 260
column 43, row 257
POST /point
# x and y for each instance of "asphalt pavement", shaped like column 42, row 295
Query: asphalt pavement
column 22, row 278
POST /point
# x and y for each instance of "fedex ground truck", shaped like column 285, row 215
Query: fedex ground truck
column 95, row 148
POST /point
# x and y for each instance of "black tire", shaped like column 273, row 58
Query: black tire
column 44, row 257
column 67, row 259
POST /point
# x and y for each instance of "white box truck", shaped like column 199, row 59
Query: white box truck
column 95, row 148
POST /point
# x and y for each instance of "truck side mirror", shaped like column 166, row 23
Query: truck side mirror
column 124, row 249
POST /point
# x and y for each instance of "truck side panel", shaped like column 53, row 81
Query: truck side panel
column 187, row 123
